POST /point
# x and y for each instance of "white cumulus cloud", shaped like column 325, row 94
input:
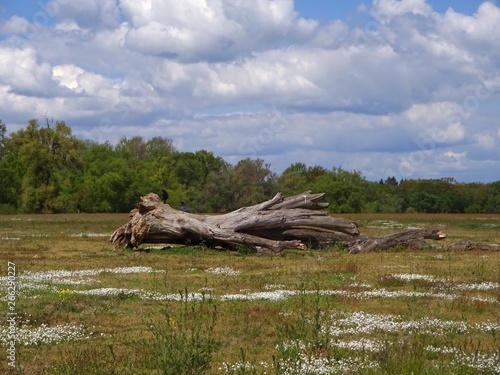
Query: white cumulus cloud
column 212, row 30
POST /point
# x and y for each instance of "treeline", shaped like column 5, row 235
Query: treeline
column 45, row 169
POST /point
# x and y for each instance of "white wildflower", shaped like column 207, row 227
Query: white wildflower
column 223, row 271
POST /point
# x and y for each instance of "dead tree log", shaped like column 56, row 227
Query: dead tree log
column 411, row 239
column 295, row 222
column 468, row 245
column 275, row 224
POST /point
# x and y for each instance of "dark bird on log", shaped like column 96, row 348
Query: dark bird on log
column 164, row 195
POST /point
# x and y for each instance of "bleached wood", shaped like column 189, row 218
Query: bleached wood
column 153, row 221
column 276, row 224
column 410, row 239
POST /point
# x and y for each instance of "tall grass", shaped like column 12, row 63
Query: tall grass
column 184, row 342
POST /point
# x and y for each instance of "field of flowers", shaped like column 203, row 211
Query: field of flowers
column 72, row 304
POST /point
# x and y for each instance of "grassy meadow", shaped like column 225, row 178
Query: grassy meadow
column 81, row 307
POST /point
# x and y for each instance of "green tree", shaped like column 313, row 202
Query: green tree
column 249, row 182
column 298, row 178
column 108, row 180
column 44, row 152
column 494, row 200
column 293, row 180
column 191, row 171
column 159, row 147
column 424, row 202
column 10, row 174
column 149, row 168
column 134, row 148
column 382, row 198
column 254, row 181
column 391, row 181
column 344, row 190
column 3, row 131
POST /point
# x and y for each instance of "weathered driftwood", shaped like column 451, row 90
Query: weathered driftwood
column 411, row 239
column 295, row 222
column 276, row 224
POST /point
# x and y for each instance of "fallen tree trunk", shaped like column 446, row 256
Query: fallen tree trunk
column 276, row 224
column 295, row 222
column 411, row 239
column 467, row 246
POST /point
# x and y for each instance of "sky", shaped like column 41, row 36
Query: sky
column 403, row 88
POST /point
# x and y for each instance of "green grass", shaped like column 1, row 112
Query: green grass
column 196, row 310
